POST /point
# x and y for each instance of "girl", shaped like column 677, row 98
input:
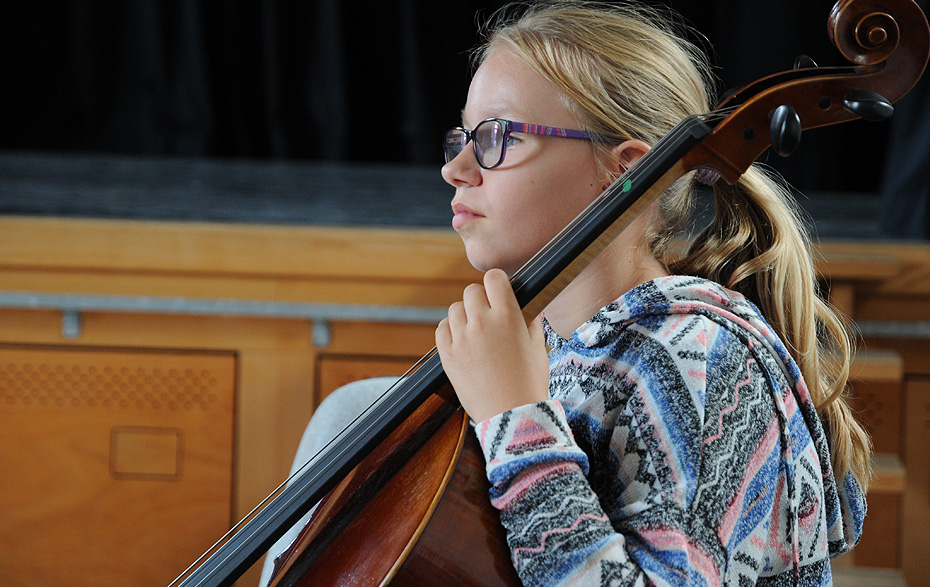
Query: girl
column 673, row 435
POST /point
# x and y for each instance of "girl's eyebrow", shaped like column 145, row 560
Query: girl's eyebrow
column 498, row 111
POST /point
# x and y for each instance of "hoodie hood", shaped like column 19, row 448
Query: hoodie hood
column 844, row 501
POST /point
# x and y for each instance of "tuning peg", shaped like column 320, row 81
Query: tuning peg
column 868, row 105
column 803, row 62
column 785, row 130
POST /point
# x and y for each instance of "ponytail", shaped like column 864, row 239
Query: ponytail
column 756, row 245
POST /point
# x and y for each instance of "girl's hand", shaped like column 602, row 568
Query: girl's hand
column 493, row 359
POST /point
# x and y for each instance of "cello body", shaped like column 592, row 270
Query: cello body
column 415, row 512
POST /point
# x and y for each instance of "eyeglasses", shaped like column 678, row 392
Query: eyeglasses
column 491, row 137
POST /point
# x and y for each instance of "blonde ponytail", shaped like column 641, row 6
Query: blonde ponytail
column 756, row 245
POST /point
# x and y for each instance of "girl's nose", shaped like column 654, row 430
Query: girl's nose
column 463, row 169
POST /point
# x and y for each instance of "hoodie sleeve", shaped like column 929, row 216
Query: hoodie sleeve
column 555, row 525
column 846, row 525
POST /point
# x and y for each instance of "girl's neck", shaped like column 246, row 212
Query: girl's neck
column 623, row 265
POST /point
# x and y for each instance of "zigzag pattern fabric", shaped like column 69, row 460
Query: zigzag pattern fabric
column 680, row 446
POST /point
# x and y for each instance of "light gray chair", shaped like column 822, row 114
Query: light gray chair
column 334, row 414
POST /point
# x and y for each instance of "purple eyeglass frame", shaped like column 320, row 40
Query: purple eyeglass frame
column 509, row 127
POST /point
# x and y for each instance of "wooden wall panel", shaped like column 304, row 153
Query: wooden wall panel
column 880, row 543
column 117, row 465
column 876, row 393
column 281, row 374
column 287, row 263
column 879, row 406
column 915, row 539
column 334, row 372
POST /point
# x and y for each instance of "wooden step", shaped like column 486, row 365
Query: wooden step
column 876, row 396
column 846, row 576
column 888, row 474
column 876, row 365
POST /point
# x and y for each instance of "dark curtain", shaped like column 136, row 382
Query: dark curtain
column 258, row 79
column 329, row 80
column 905, row 187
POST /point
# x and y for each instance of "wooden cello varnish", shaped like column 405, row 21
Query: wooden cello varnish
column 427, row 519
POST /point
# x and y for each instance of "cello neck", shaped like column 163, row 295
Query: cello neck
column 537, row 283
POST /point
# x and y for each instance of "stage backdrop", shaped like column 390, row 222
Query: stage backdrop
column 365, row 81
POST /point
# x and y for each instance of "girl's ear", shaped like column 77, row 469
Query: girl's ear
column 626, row 154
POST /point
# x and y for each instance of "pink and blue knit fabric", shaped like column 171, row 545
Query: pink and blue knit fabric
column 680, row 446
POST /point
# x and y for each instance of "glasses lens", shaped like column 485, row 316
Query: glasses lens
column 489, row 143
column 453, row 143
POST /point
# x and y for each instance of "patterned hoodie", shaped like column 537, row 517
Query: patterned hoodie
column 679, row 446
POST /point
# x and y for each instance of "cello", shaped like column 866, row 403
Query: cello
column 388, row 481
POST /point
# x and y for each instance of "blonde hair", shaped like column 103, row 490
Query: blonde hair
column 626, row 74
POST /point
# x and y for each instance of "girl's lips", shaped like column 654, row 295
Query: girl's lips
column 462, row 215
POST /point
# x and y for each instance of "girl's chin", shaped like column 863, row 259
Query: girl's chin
column 478, row 260
column 485, row 264
column 484, row 257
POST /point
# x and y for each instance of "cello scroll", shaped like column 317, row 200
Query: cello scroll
column 888, row 43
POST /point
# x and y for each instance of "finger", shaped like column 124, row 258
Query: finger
column 443, row 335
column 499, row 291
column 457, row 318
column 475, row 299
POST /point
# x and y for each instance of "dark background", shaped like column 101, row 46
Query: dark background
column 367, row 82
